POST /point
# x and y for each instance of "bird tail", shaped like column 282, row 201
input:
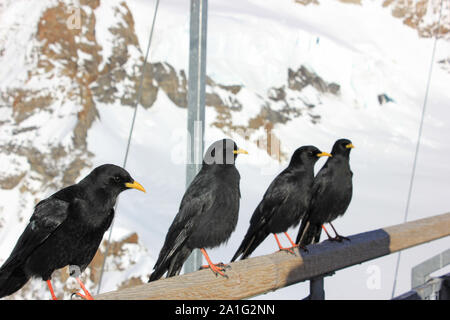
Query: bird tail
column 177, row 262
column 308, row 233
column 172, row 265
column 158, row 272
column 12, row 278
column 249, row 244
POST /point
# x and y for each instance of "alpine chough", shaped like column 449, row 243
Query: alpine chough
column 208, row 212
column 331, row 194
column 284, row 203
column 66, row 229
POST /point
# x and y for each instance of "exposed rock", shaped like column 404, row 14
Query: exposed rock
column 173, row 83
column 351, row 1
column 77, row 76
column 277, row 94
column 422, row 15
column 74, row 54
column 384, row 98
column 26, row 102
column 417, row 14
column 298, row 80
column 131, row 282
column 11, row 181
column 306, row 2
column 445, row 64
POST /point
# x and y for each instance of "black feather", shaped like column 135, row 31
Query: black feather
column 208, row 212
column 331, row 193
column 284, row 203
column 65, row 229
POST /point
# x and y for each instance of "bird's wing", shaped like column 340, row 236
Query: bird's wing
column 308, row 230
column 195, row 201
column 321, row 181
column 47, row 217
column 276, row 195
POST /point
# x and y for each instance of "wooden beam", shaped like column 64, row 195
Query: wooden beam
column 258, row 275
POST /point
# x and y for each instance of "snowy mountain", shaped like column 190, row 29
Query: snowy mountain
column 281, row 74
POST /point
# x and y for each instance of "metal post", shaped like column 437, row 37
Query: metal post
column 316, row 291
column 420, row 273
column 196, row 103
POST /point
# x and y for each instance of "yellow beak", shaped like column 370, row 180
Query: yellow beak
column 349, row 146
column 240, row 151
column 135, row 185
column 324, row 154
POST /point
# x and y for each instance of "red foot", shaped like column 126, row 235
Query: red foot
column 87, row 295
column 290, row 249
column 218, row 268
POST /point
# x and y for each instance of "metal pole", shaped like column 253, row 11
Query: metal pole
column 420, row 273
column 196, row 103
column 316, row 291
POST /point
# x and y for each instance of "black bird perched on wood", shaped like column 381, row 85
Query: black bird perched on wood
column 284, row 203
column 331, row 195
column 66, row 229
column 208, row 212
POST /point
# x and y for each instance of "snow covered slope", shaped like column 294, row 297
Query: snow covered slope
column 299, row 74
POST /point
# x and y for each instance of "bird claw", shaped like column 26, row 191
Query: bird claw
column 289, row 250
column 223, row 265
column 221, row 273
column 217, row 268
column 73, row 295
column 339, row 238
column 303, row 248
column 84, row 297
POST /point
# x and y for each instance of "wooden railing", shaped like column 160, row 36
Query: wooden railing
column 254, row 276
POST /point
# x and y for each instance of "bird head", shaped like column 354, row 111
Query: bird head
column 114, row 179
column 307, row 154
column 342, row 147
column 222, row 152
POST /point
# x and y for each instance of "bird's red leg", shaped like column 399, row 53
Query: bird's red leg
column 329, row 237
column 87, row 295
column 295, row 245
column 216, row 268
column 281, row 247
column 338, row 236
column 290, row 240
column 49, row 284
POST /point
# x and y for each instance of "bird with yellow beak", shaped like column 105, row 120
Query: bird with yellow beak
column 66, row 230
column 208, row 212
column 331, row 195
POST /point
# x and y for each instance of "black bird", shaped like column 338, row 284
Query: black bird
column 208, row 212
column 284, row 203
column 66, row 229
column 331, row 195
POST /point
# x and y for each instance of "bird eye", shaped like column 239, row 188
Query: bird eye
column 116, row 179
column 310, row 153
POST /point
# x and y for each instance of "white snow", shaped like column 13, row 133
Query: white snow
column 366, row 51
column 253, row 43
